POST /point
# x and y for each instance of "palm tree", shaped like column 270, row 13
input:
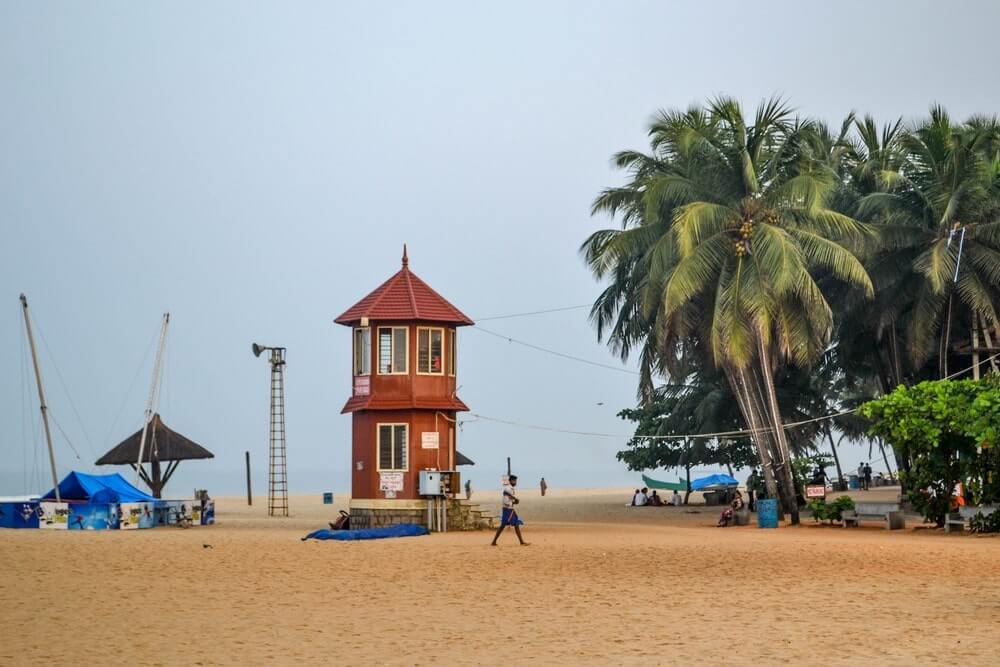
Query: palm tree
column 725, row 228
column 940, row 268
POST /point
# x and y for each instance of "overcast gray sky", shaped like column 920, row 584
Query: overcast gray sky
column 256, row 169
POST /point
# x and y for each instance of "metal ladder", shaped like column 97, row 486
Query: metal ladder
column 277, row 470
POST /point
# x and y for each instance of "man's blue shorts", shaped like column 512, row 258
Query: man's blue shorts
column 510, row 518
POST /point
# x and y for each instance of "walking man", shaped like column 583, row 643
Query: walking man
column 468, row 489
column 868, row 477
column 861, row 476
column 543, row 486
column 509, row 515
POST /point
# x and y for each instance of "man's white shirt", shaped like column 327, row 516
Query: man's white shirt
column 508, row 500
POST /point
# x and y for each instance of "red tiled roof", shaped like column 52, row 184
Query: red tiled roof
column 372, row 402
column 404, row 296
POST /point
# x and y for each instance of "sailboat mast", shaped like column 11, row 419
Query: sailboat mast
column 153, row 389
column 41, row 396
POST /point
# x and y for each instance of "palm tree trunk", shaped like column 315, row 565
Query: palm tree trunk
column 888, row 468
column 897, row 368
column 739, row 385
column 836, row 458
column 687, row 494
column 945, row 341
column 784, row 471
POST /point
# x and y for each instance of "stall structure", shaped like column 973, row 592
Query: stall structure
column 101, row 502
column 163, row 446
column 18, row 512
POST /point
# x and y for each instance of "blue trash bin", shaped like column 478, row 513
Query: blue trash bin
column 327, row 498
column 853, row 482
column 767, row 513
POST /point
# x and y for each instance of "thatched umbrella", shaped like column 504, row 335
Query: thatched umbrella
column 162, row 444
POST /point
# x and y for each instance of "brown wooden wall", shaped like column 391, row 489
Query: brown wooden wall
column 365, row 482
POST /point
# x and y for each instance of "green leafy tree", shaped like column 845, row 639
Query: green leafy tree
column 946, row 428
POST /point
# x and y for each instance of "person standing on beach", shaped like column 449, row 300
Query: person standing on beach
column 751, row 488
column 861, row 476
column 543, row 486
column 868, row 477
column 509, row 516
column 468, row 489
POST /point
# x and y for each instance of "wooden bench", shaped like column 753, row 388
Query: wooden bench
column 888, row 512
column 957, row 520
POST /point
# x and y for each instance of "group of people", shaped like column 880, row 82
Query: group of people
column 865, row 476
column 642, row 497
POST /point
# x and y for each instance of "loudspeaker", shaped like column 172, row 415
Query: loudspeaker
column 257, row 349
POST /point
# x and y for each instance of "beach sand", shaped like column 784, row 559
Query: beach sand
column 600, row 584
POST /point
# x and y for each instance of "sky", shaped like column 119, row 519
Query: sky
column 255, row 169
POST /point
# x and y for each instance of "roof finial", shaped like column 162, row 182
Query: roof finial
column 406, row 260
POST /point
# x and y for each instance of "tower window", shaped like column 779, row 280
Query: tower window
column 392, row 352
column 363, row 351
column 430, row 343
column 392, row 446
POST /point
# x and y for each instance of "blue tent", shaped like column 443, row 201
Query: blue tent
column 98, row 489
column 714, row 481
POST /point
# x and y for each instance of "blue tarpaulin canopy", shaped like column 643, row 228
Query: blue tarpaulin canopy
column 98, row 489
column 714, row 481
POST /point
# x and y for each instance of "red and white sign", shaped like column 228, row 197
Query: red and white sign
column 816, row 491
column 362, row 385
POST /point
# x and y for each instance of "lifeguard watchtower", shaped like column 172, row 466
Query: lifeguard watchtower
column 403, row 401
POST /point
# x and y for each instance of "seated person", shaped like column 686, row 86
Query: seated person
column 655, row 500
column 727, row 514
column 676, row 500
column 639, row 499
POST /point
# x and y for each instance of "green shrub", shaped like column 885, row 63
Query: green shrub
column 831, row 512
column 985, row 523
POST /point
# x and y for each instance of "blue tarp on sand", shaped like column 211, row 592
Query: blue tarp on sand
column 714, row 481
column 98, row 489
column 399, row 530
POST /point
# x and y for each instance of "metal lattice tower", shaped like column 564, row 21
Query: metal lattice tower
column 277, row 470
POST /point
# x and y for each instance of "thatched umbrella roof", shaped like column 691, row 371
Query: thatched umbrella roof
column 170, row 446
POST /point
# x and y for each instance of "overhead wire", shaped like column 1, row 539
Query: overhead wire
column 533, row 312
column 64, row 435
column 65, row 389
column 539, row 348
column 707, row 436
column 131, row 386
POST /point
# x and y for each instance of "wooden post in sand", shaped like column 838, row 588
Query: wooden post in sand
column 249, row 497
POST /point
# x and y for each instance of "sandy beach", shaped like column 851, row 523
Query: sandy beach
column 600, row 584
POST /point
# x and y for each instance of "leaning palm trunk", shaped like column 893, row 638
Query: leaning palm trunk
column 833, row 448
column 749, row 407
column 783, row 469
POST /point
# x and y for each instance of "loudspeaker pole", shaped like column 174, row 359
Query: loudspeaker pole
column 277, row 469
